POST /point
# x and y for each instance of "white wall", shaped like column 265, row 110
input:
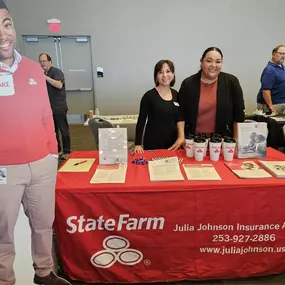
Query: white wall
column 130, row 36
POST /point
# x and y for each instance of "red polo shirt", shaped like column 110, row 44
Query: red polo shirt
column 27, row 129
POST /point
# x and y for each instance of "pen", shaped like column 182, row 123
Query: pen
column 77, row 163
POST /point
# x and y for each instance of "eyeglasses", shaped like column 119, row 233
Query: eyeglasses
column 281, row 53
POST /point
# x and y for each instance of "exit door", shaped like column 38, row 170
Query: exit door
column 73, row 56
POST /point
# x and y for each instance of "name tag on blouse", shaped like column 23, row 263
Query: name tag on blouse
column 176, row 104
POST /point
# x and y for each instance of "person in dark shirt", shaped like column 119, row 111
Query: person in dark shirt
column 159, row 113
column 57, row 96
column 211, row 101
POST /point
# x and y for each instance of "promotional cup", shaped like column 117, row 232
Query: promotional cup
column 224, row 138
column 229, row 146
column 207, row 138
column 199, row 148
column 216, row 136
column 215, row 148
column 189, row 146
column 206, row 146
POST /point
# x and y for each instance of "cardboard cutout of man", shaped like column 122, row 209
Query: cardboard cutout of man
column 28, row 155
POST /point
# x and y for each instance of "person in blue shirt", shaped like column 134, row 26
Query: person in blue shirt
column 271, row 96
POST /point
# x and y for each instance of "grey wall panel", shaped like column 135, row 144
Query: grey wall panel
column 129, row 36
column 66, row 54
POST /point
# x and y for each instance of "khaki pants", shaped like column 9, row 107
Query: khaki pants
column 280, row 108
column 33, row 186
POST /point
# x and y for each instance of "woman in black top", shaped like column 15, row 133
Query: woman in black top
column 164, row 128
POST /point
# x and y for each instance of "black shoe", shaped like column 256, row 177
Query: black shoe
column 51, row 279
column 64, row 155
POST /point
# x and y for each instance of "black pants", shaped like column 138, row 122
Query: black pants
column 60, row 124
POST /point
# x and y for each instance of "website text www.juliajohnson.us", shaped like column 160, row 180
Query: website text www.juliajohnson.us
column 240, row 250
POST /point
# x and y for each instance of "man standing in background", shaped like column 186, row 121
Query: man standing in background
column 271, row 96
column 28, row 158
column 57, row 96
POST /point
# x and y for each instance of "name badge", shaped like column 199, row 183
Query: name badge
column 176, row 104
column 6, row 84
column 3, row 176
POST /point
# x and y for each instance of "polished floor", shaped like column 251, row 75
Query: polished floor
column 83, row 140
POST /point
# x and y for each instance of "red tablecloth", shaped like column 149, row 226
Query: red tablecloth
column 144, row 231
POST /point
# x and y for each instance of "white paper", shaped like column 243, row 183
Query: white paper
column 110, row 174
column 113, row 146
column 278, row 119
column 258, row 173
column 276, row 168
column 165, row 170
column 201, row 172
column 77, row 165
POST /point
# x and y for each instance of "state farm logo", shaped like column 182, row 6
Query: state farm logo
column 189, row 145
column 230, row 149
column 116, row 249
column 32, row 81
column 81, row 224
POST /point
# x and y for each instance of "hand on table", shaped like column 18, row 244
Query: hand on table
column 272, row 108
column 139, row 149
column 178, row 143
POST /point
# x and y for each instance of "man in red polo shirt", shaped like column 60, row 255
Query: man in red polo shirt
column 28, row 157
